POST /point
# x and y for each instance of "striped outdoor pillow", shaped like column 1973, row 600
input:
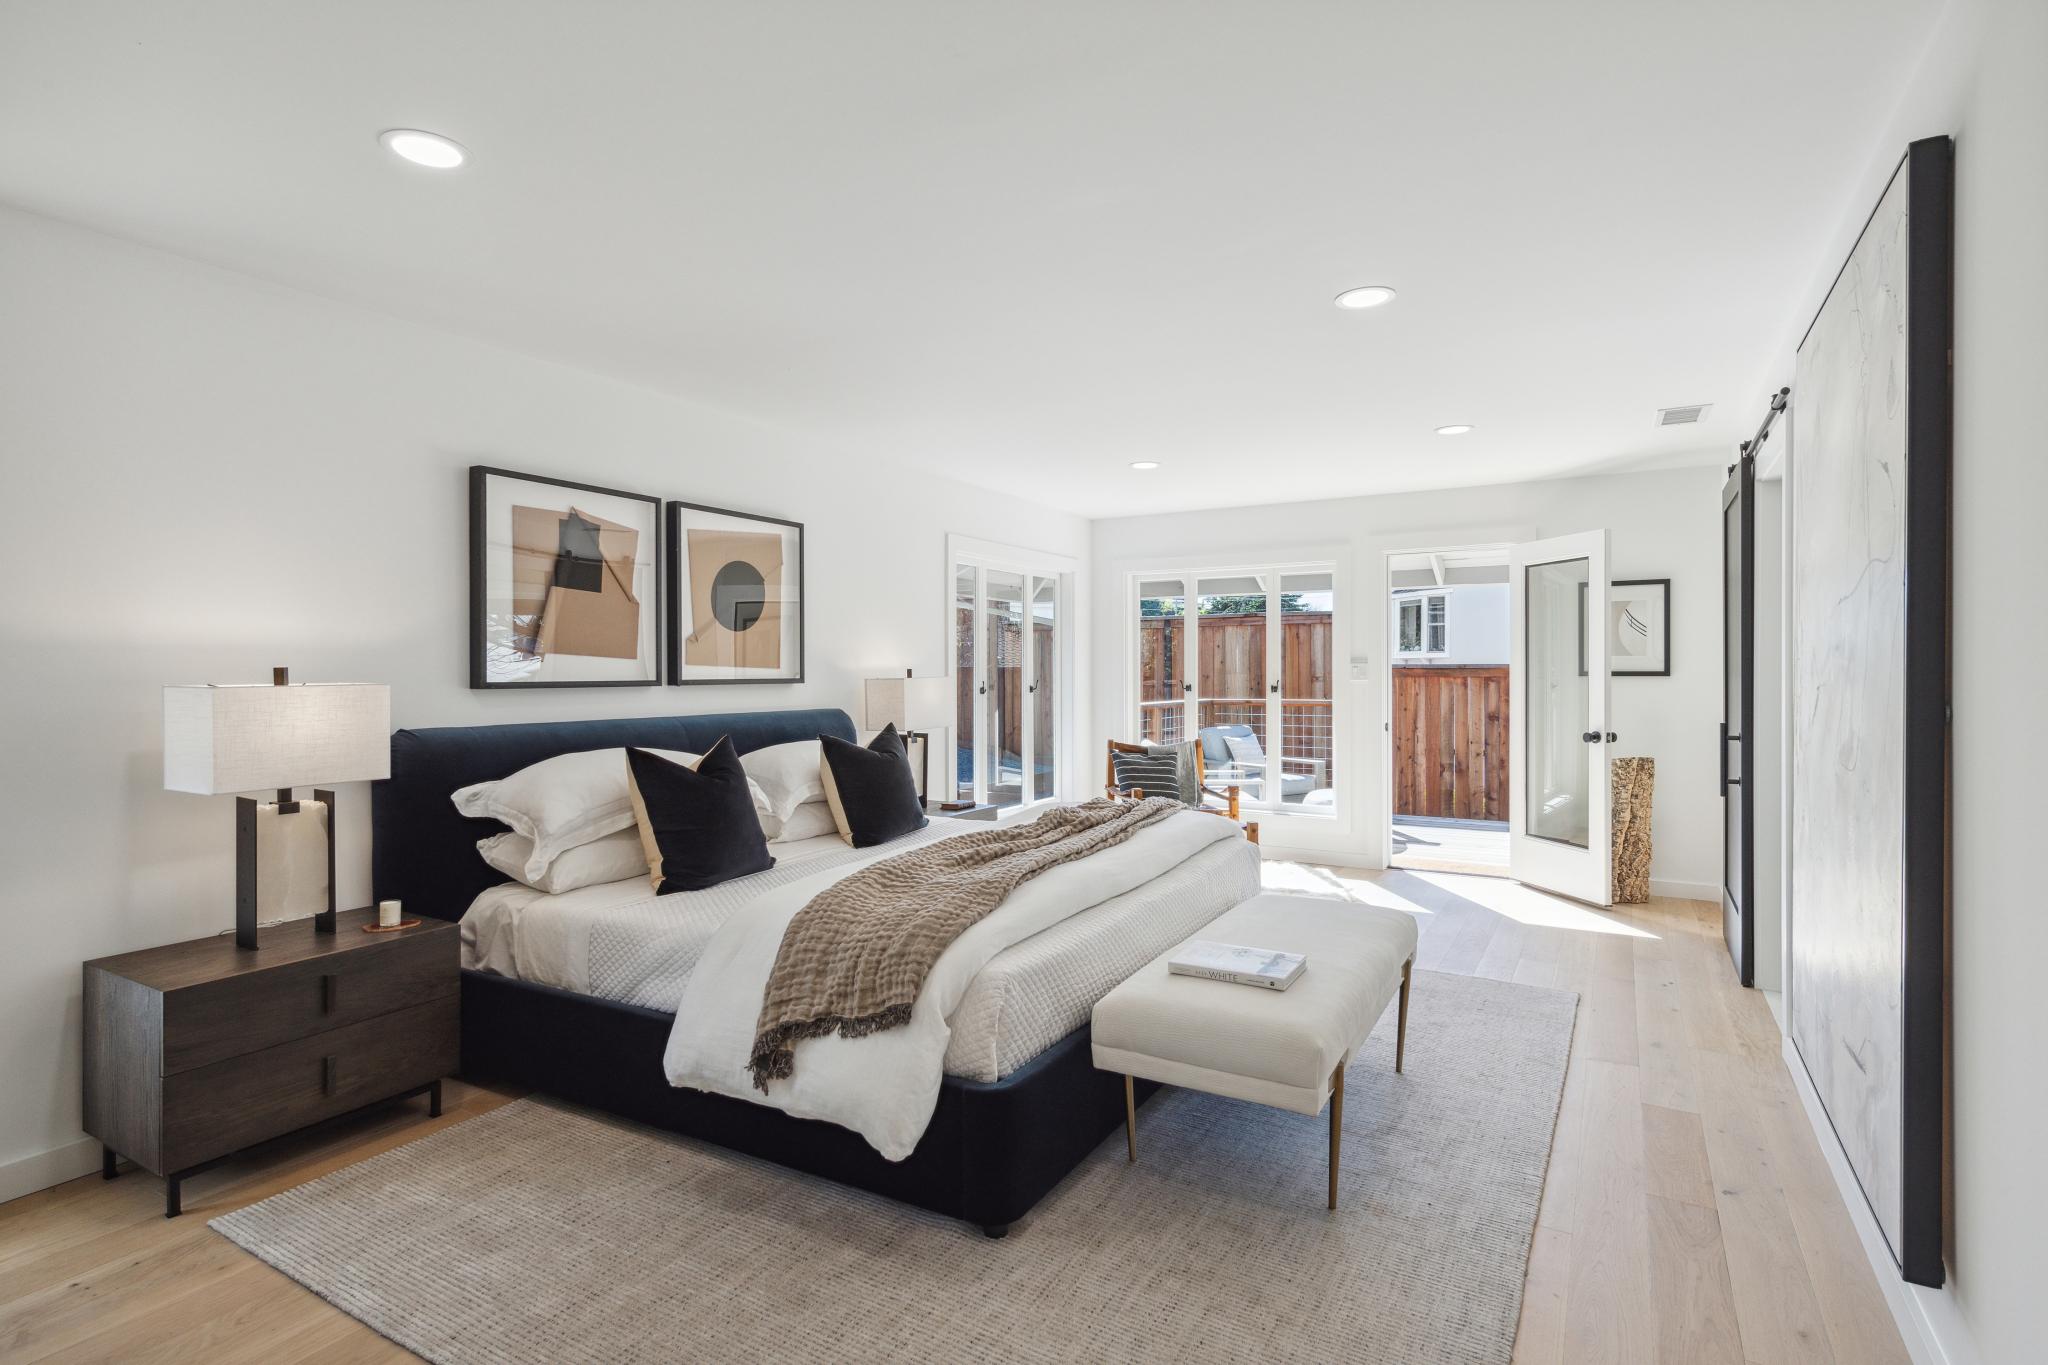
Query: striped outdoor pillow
column 1157, row 774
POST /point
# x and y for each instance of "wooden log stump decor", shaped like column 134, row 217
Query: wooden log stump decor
column 1634, row 779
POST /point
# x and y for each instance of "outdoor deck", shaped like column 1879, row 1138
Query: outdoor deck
column 1479, row 846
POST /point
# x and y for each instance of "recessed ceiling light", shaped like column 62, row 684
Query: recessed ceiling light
column 1455, row 429
column 1144, row 464
column 424, row 149
column 1365, row 296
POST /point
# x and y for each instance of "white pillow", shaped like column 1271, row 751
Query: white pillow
column 570, row 800
column 616, row 857
column 1245, row 751
column 807, row 821
column 788, row 774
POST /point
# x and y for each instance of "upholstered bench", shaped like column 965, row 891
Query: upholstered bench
column 1283, row 1048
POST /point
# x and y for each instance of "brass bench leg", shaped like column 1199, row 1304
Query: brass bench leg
column 1130, row 1119
column 1336, row 1127
column 1401, row 1024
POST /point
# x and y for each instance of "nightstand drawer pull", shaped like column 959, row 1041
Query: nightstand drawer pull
column 327, row 1075
column 330, row 993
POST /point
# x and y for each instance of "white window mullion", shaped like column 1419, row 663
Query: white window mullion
column 1270, row 788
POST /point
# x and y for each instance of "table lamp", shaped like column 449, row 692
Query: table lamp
column 239, row 738
column 915, row 706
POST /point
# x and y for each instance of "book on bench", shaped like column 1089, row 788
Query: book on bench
column 1266, row 968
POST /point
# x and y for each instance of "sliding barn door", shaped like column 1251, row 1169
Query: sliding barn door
column 1738, row 717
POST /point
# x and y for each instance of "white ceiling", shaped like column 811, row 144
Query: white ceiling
column 1025, row 244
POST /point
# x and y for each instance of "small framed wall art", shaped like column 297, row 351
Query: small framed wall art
column 735, row 592
column 564, row 583
column 1638, row 627
column 1639, row 615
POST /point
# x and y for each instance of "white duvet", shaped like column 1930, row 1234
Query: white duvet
column 885, row 1086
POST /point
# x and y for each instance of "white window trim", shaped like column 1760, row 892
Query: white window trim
column 1331, row 560
column 1403, row 596
column 989, row 554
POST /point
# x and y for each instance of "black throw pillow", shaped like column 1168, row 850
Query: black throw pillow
column 698, row 825
column 871, row 792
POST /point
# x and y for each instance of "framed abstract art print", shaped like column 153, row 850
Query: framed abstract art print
column 564, row 583
column 735, row 590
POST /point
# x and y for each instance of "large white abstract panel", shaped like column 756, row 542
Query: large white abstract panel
column 1848, row 676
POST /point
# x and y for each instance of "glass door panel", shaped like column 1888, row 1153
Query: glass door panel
column 1230, row 685
column 1559, row 656
column 1163, row 680
column 1305, row 688
column 1560, row 765
column 1044, row 687
column 1002, row 718
column 967, row 676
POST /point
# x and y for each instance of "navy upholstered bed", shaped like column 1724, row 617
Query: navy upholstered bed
column 993, row 1148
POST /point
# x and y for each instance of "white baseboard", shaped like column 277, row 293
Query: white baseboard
column 44, row 1169
column 1685, row 891
column 1934, row 1332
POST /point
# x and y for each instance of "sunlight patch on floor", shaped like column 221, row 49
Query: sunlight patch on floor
column 1395, row 889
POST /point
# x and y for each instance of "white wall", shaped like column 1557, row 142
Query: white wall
column 1981, row 81
column 1476, row 626
column 1664, row 525
column 207, row 476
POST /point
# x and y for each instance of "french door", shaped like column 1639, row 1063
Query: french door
column 1241, row 660
column 1008, row 639
column 1560, row 834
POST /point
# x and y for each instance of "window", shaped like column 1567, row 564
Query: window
column 1240, row 659
column 1422, row 624
column 1009, row 633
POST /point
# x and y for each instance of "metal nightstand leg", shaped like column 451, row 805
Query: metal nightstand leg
column 434, row 1100
column 173, row 1205
column 107, row 1160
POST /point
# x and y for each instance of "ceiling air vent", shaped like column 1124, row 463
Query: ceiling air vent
column 1682, row 417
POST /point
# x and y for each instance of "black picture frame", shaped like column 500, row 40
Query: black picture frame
column 1929, row 171
column 1612, row 671
column 674, row 541
column 479, row 581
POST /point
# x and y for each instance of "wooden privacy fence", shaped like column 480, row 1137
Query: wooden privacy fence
column 1233, row 683
column 1451, row 742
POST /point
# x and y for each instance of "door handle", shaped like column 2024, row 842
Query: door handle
column 1611, row 737
column 1187, row 687
column 330, row 992
column 1726, row 780
column 981, row 689
column 1591, row 736
column 1032, row 688
column 327, row 1068
column 1274, row 688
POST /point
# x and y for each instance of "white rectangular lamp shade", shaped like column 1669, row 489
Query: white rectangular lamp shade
column 220, row 740
column 908, row 703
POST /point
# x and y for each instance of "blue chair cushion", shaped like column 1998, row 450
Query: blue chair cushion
column 1216, row 753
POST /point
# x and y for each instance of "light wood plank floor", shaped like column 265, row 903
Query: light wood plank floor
column 1688, row 1214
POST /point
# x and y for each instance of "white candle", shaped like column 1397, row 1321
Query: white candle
column 388, row 914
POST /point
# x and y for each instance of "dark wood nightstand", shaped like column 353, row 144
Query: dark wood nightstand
column 197, row 1050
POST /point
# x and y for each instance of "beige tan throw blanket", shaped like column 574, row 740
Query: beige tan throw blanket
column 853, row 960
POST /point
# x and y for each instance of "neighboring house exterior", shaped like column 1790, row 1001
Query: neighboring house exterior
column 1462, row 624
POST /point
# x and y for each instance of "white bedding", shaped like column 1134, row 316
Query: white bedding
column 619, row 940
column 885, row 1085
column 1029, row 996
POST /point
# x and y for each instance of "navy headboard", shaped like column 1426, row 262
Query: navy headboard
column 424, row 850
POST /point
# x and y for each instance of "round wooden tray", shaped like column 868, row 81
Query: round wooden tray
column 380, row 929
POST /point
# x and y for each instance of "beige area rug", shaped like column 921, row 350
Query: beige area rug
column 538, row 1232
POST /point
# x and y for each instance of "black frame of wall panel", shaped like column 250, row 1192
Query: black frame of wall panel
column 1929, row 167
column 479, row 677
column 672, row 586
